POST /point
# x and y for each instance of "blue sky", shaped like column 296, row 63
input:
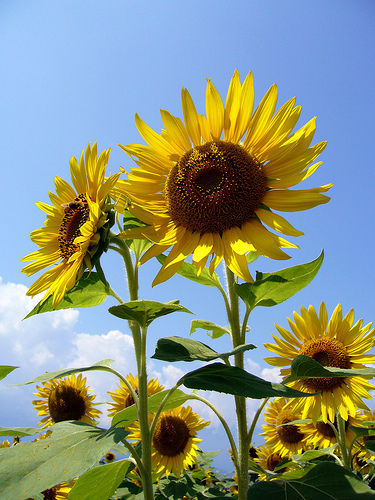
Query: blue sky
column 74, row 72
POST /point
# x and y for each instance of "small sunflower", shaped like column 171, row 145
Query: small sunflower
column 337, row 343
column 5, row 444
column 65, row 399
column 174, row 443
column 59, row 492
column 208, row 187
column 123, row 398
column 71, row 237
column 269, row 459
column 367, row 419
column 282, row 438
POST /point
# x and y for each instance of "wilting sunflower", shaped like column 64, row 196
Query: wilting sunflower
column 269, row 459
column 278, row 434
column 59, row 492
column 123, row 398
column 75, row 227
column 208, row 187
column 65, row 399
column 337, row 343
column 174, row 443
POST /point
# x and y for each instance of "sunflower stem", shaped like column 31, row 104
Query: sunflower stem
column 255, row 419
column 342, row 440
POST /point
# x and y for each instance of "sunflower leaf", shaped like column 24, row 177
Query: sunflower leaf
column 232, row 380
column 145, row 311
column 19, row 431
column 304, row 367
column 74, row 447
column 190, row 272
column 271, row 289
column 100, row 482
column 217, row 331
column 5, row 370
column 181, row 349
column 325, row 481
column 89, row 291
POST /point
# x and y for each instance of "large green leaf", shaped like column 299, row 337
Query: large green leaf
column 304, row 367
column 74, row 447
column 190, row 272
column 270, row 289
column 100, row 482
column 217, row 331
column 104, row 365
column 145, row 311
column 182, row 349
column 19, row 431
column 326, row 481
column 232, row 380
column 5, row 370
column 89, row 291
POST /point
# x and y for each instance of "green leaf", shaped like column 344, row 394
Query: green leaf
column 89, row 291
column 325, row 481
column 313, row 454
column 304, row 367
column 270, row 289
column 104, row 365
column 100, row 482
column 19, row 431
column 145, row 311
column 129, row 415
column 362, row 431
column 74, row 447
column 232, row 380
column 189, row 271
column 217, row 331
column 181, row 349
column 5, row 370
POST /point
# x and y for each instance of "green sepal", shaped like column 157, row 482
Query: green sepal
column 271, row 289
column 190, row 272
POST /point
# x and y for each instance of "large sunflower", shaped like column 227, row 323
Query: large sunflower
column 71, row 235
column 337, row 343
column 208, row 187
column 123, row 398
column 174, row 443
column 65, row 399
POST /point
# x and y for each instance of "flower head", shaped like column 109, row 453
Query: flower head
column 72, row 238
column 337, row 343
column 65, row 399
column 208, row 187
column 269, row 460
column 58, row 492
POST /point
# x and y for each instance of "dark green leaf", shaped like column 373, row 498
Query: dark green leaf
column 100, row 482
column 89, row 291
column 189, row 271
column 19, row 431
column 326, row 481
column 232, row 380
column 182, row 349
column 362, row 431
column 145, row 311
column 217, row 331
column 304, row 367
column 5, row 370
column 270, row 289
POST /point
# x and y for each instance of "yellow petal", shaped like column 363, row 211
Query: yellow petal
column 214, row 111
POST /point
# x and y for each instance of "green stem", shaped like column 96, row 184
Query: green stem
column 255, row 419
column 342, row 440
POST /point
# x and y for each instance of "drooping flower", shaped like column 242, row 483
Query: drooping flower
column 174, row 443
column 73, row 236
column 65, row 399
column 282, row 437
column 208, row 187
column 337, row 343
column 123, row 398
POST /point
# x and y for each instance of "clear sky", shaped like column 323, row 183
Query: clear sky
column 74, row 72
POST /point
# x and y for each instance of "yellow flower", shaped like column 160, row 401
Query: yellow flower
column 123, row 398
column 362, row 454
column 282, row 438
column 59, row 492
column 337, row 343
column 5, row 444
column 269, row 459
column 208, row 187
column 65, row 399
column 70, row 240
column 174, row 442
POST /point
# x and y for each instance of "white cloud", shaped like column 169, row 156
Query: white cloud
column 271, row 374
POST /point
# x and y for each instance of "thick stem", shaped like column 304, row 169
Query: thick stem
column 342, row 440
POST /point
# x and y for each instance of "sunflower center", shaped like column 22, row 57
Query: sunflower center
column 214, row 187
column 273, row 461
column 49, row 494
column 66, row 403
column 327, row 431
column 287, row 433
column 171, row 435
column 328, row 352
column 76, row 213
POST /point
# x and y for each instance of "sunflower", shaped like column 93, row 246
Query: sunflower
column 337, row 343
column 59, row 492
column 65, row 399
column 123, row 398
column 5, row 444
column 278, row 434
column 269, row 459
column 362, row 454
column 75, row 226
column 205, row 192
column 174, row 443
